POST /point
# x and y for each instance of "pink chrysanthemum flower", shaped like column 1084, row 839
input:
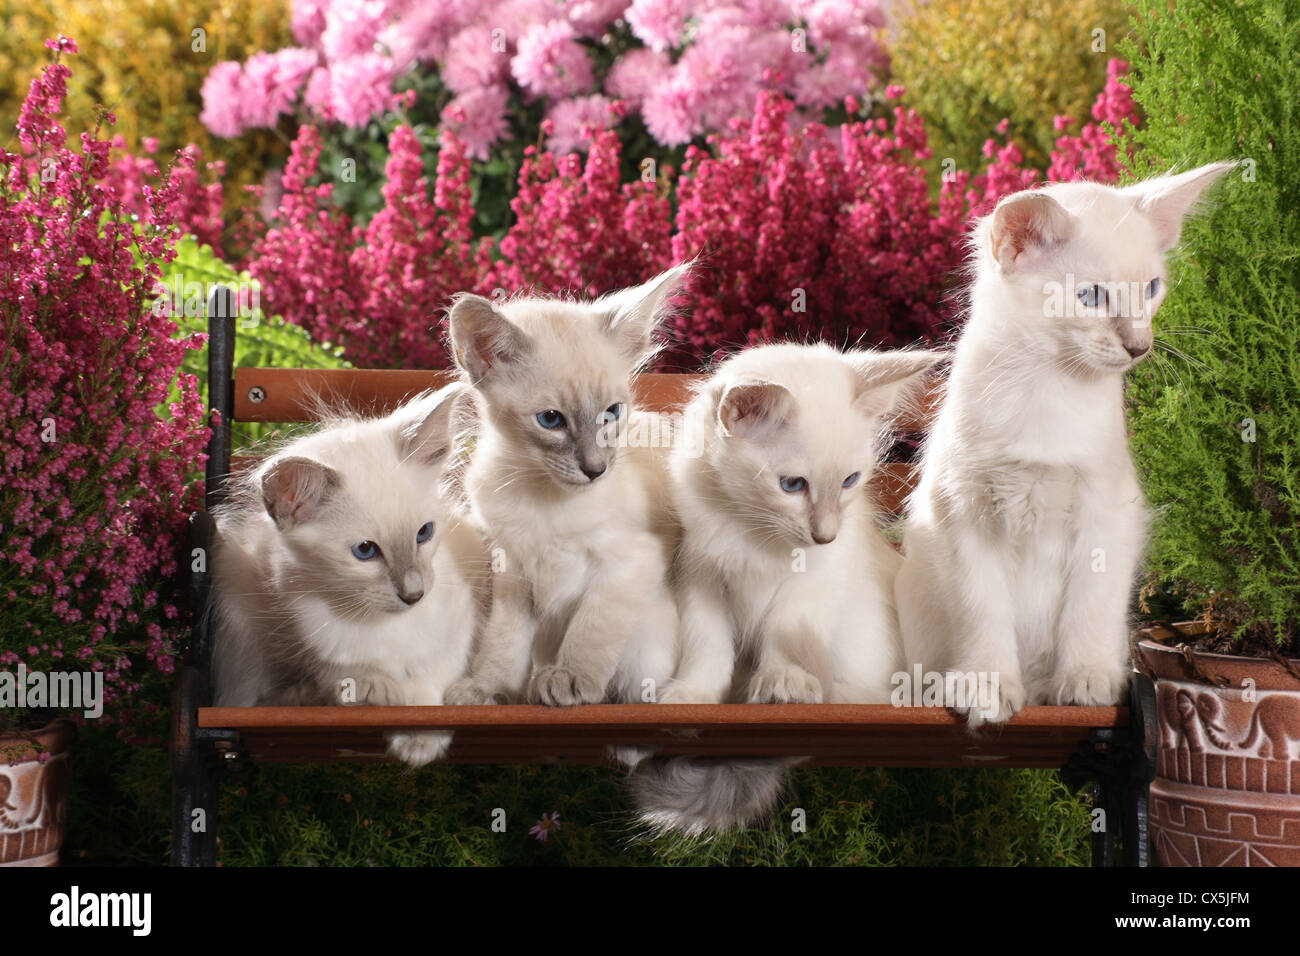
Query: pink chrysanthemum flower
column 592, row 17
column 476, row 58
column 478, row 118
column 551, row 62
column 658, row 24
column 636, row 73
column 571, row 119
column 352, row 27
column 361, row 88
column 223, row 100
column 272, row 82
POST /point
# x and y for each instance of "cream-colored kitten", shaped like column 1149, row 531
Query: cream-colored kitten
column 578, row 521
column 781, row 569
column 1024, row 534
column 343, row 575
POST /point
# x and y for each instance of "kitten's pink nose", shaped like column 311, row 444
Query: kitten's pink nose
column 593, row 473
column 1137, row 351
column 823, row 538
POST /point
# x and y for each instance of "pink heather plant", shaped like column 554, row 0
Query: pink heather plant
column 578, row 230
column 375, row 290
column 198, row 205
column 809, row 238
column 93, row 480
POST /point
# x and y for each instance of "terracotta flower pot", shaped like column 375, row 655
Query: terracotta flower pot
column 34, row 794
column 1227, row 787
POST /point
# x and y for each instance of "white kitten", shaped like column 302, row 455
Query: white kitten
column 343, row 575
column 578, row 522
column 781, row 568
column 1024, row 534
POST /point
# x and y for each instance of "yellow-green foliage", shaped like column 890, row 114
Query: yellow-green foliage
column 967, row 64
column 137, row 58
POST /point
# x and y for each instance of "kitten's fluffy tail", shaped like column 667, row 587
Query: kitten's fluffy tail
column 692, row 796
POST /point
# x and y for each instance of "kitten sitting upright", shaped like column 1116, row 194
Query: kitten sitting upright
column 343, row 575
column 784, row 583
column 1025, row 531
column 578, row 521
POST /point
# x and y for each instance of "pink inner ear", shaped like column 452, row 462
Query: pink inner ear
column 1021, row 231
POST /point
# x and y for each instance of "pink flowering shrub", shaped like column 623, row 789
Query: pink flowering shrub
column 376, row 290
column 93, row 479
column 578, row 229
column 691, row 67
column 812, row 235
column 197, row 208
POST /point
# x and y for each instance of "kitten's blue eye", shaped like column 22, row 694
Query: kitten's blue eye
column 365, row 550
column 852, row 479
column 1092, row 295
column 425, row 532
column 1153, row 287
column 614, row 412
column 550, row 419
column 794, row 485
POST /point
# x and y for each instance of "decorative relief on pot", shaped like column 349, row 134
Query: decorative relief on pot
column 33, row 811
column 1227, row 788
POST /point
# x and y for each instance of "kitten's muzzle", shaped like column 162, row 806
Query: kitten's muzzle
column 410, row 588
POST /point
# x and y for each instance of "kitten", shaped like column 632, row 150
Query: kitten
column 579, row 522
column 1025, row 531
column 781, row 567
column 343, row 575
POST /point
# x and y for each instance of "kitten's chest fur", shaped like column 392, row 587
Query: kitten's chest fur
column 557, row 539
column 1017, row 499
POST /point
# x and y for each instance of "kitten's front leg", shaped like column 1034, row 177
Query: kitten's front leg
column 1092, row 639
column 708, row 646
column 607, row 613
column 790, row 657
column 498, row 671
column 419, row 747
column 967, row 572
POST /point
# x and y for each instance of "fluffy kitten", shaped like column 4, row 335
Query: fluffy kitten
column 781, row 568
column 1025, row 531
column 343, row 575
column 579, row 523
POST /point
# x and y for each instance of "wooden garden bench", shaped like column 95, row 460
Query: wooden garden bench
column 1111, row 747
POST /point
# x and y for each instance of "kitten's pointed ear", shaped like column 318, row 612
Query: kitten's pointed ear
column 1167, row 200
column 295, row 489
column 631, row 316
column 1025, row 223
column 425, row 433
column 482, row 339
column 885, row 379
column 752, row 408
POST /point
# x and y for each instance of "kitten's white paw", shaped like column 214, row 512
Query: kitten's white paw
column 785, row 685
column 1090, row 688
column 1010, row 697
column 419, row 747
column 557, row 686
column 629, row 757
column 677, row 693
column 467, row 692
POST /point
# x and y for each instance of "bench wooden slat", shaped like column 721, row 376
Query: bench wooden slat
column 676, row 716
column 288, row 394
column 832, row 734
